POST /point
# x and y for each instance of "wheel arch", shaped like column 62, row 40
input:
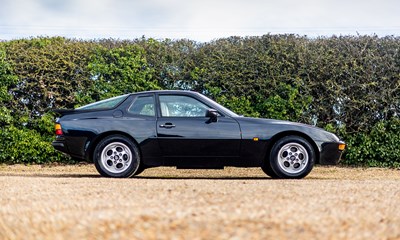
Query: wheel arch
column 95, row 141
column 280, row 135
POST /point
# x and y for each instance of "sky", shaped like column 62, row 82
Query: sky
column 199, row 20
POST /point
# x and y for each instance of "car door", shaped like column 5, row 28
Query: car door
column 184, row 131
column 140, row 121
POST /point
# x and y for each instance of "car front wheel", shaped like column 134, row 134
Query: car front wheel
column 116, row 156
column 291, row 157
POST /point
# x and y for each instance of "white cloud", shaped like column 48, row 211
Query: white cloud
column 199, row 20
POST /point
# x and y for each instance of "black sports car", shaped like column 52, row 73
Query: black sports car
column 127, row 134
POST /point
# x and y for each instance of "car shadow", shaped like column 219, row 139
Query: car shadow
column 51, row 175
column 133, row 178
column 202, row 178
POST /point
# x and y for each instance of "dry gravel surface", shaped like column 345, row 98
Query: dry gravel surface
column 73, row 202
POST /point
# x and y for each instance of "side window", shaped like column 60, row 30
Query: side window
column 181, row 106
column 143, row 106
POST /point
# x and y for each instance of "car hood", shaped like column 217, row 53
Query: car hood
column 266, row 125
column 275, row 121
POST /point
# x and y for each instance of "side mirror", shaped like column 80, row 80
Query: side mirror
column 212, row 114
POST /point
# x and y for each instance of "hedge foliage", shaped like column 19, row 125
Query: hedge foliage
column 348, row 85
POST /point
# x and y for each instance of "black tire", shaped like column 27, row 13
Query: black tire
column 267, row 169
column 140, row 170
column 291, row 157
column 117, row 156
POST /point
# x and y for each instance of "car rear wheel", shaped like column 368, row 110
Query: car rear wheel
column 291, row 157
column 116, row 156
column 140, row 170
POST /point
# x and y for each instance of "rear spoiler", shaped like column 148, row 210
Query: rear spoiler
column 63, row 112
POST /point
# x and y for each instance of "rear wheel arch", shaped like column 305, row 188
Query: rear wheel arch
column 97, row 140
column 117, row 156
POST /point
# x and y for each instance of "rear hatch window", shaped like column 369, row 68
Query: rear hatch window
column 105, row 104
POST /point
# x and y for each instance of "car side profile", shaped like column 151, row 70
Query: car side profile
column 127, row 134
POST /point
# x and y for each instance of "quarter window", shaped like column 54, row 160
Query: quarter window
column 181, row 106
column 143, row 106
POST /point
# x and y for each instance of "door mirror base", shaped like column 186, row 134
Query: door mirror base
column 212, row 114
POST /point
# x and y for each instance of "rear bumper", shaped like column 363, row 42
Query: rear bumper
column 60, row 145
column 68, row 147
column 330, row 153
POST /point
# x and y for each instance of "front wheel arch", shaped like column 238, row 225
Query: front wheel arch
column 280, row 135
column 275, row 162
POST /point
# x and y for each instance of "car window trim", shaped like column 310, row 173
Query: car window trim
column 186, row 95
column 135, row 97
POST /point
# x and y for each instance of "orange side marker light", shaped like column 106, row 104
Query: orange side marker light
column 342, row 146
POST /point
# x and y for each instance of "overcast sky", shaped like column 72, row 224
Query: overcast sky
column 201, row 20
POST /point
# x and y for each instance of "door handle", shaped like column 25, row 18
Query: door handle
column 167, row 125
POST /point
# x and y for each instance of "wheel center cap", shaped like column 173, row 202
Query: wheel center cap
column 116, row 157
column 292, row 158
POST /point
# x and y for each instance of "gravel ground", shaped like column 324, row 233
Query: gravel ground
column 73, row 202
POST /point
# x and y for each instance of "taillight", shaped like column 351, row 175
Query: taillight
column 58, row 129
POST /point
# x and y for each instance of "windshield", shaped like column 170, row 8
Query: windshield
column 226, row 110
column 104, row 104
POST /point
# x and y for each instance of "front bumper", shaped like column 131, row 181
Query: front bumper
column 330, row 153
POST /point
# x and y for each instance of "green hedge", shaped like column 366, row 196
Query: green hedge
column 348, row 85
column 22, row 145
column 377, row 148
